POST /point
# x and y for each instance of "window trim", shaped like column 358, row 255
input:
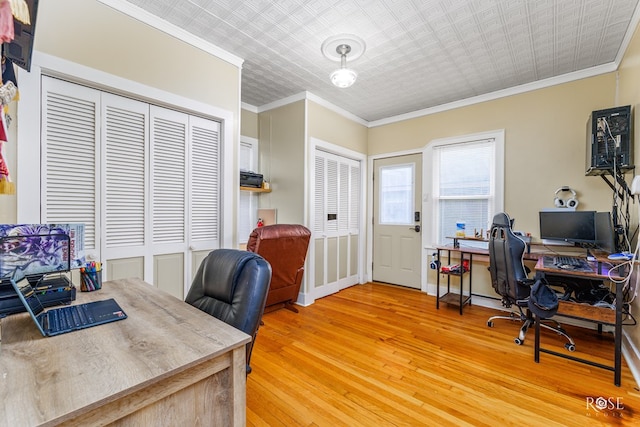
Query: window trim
column 497, row 205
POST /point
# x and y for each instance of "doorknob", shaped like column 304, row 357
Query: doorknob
column 416, row 228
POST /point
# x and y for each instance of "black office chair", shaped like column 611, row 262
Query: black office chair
column 509, row 277
column 232, row 286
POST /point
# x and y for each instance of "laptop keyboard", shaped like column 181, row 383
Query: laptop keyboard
column 71, row 317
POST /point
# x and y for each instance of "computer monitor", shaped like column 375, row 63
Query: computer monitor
column 577, row 227
column 605, row 236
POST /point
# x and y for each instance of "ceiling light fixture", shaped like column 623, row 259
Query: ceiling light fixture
column 336, row 48
column 343, row 77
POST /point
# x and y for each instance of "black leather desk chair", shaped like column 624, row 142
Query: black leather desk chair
column 232, row 286
column 509, row 278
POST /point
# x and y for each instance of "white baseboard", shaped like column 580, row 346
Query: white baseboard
column 631, row 356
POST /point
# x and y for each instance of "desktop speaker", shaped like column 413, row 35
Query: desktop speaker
column 561, row 202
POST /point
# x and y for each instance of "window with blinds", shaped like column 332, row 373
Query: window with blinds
column 464, row 186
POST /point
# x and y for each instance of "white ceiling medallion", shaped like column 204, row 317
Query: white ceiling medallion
column 336, row 48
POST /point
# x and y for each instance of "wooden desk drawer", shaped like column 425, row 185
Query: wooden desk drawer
column 586, row 311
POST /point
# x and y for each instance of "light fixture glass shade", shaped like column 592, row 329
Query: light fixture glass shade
column 343, row 77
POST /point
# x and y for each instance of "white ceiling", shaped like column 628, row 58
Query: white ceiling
column 419, row 53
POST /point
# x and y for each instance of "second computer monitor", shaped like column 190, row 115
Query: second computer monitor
column 577, row 227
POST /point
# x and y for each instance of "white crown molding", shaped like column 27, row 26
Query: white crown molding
column 528, row 87
column 336, row 109
column 516, row 90
column 311, row 97
column 249, row 107
column 143, row 16
column 282, row 102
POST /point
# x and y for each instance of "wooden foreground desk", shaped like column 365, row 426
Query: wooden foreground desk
column 168, row 363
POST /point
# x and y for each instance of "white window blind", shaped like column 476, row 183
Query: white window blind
column 464, row 184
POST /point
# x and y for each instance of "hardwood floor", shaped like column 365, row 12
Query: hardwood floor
column 380, row 355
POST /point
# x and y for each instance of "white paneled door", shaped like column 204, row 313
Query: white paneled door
column 397, row 220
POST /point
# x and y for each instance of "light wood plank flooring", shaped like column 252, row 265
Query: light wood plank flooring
column 381, row 355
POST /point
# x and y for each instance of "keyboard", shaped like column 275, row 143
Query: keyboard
column 568, row 260
column 567, row 263
column 71, row 317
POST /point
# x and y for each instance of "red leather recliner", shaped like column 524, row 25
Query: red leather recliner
column 284, row 246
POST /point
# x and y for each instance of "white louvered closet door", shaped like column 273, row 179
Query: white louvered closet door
column 205, row 183
column 168, row 153
column 144, row 180
column 336, row 223
column 70, row 132
column 125, row 150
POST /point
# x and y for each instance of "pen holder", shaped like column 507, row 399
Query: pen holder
column 90, row 281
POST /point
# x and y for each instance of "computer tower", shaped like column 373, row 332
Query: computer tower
column 609, row 141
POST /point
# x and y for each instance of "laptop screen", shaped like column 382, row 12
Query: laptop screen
column 26, row 292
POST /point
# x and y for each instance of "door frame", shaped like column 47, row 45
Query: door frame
column 370, row 196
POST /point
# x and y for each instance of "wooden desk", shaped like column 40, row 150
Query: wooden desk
column 466, row 253
column 168, row 363
column 599, row 315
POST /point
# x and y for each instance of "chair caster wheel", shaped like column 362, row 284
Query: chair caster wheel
column 518, row 341
column 570, row 347
column 490, row 324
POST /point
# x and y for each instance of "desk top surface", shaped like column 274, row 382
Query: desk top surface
column 604, row 271
column 43, row 379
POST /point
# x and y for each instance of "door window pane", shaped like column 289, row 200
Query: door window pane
column 396, row 194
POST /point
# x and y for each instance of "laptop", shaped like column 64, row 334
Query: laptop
column 64, row 319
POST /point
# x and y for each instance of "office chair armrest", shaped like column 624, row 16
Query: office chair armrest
column 527, row 282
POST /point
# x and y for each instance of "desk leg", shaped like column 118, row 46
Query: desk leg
column 461, row 282
column 470, row 268
column 536, row 344
column 618, row 337
column 439, row 264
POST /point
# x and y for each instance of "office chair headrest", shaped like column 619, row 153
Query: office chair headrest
column 502, row 219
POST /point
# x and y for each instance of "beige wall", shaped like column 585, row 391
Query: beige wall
column 545, row 142
column 249, row 124
column 334, row 128
column 89, row 33
column 282, row 161
column 629, row 94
